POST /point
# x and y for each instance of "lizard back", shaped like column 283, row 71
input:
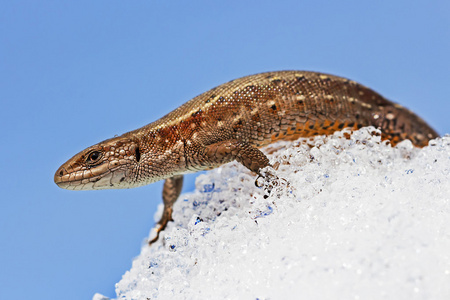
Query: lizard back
column 285, row 105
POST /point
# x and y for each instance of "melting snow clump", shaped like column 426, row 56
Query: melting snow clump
column 348, row 217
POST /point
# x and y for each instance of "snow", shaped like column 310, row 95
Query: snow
column 347, row 219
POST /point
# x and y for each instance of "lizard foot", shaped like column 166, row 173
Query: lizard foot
column 166, row 217
column 171, row 191
column 268, row 180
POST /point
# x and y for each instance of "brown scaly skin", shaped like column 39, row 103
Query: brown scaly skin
column 230, row 122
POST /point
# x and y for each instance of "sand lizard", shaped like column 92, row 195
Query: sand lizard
column 230, row 122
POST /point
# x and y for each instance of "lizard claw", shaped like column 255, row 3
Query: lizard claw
column 154, row 235
column 268, row 180
column 165, row 218
column 266, row 176
column 259, row 181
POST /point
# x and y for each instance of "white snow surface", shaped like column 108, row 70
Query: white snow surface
column 347, row 219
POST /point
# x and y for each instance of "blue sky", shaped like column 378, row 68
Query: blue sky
column 73, row 73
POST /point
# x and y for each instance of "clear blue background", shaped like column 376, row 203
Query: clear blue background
column 73, row 73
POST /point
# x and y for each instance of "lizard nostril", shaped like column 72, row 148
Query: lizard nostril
column 59, row 175
column 61, row 172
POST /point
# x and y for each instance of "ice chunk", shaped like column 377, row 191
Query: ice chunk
column 98, row 296
column 346, row 219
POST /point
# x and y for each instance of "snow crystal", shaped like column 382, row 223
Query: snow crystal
column 346, row 218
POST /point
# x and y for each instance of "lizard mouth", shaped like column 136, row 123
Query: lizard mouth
column 86, row 180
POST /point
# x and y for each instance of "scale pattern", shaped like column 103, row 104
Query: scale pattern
column 270, row 106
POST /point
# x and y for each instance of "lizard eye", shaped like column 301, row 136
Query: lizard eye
column 93, row 157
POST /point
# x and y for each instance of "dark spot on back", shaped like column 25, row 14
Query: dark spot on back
column 197, row 113
column 276, row 81
column 274, row 107
column 256, row 117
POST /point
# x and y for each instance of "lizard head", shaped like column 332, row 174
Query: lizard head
column 106, row 165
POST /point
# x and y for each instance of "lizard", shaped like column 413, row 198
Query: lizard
column 232, row 122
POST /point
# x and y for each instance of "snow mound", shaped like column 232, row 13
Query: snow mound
column 348, row 218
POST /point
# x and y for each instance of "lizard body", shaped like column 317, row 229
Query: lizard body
column 230, row 122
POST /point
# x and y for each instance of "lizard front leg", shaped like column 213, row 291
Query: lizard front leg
column 171, row 190
column 251, row 157
column 225, row 151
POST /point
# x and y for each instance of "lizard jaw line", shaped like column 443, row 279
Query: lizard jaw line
column 109, row 180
